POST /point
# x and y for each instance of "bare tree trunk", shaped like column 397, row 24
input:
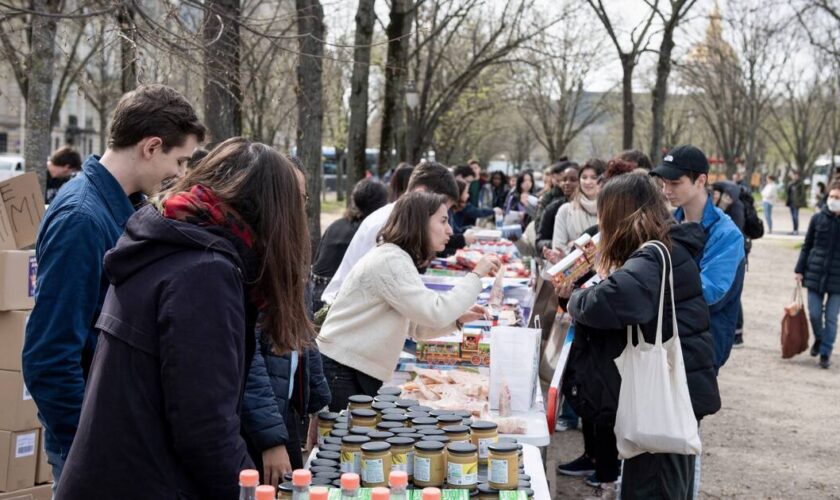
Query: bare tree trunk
column 357, row 133
column 627, row 106
column 310, row 22
column 395, row 71
column 128, row 48
column 222, row 92
column 103, row 125
column 660, row 94
column 39, row 89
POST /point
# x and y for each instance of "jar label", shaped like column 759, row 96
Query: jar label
column 483, row 446
column 373, row 471
column 399, row 462
column 497, row 472
column 351, row 462
column 410, row 463
column 422, row 469
column 462, row 474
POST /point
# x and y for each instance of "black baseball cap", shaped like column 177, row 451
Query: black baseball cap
column 681, row 161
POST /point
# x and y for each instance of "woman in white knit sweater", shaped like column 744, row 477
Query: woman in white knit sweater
column 576, row 217
column 383, row 300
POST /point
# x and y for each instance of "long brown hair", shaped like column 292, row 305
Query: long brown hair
column 407, row 227
column 262, row 185
column 631, row 212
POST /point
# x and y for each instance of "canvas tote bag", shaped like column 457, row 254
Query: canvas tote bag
column 654, row 408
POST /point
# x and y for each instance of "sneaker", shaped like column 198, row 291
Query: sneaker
column 592, row 480
column 581, row 466
column 824, row 361
column 606, row 491
column 565, row 425
column 739, row 341
column 815, row 349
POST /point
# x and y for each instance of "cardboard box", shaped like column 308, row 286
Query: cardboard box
column 43, row 471
column 43, row 492
column 17, row 410
column 12, row 328
column 18, row 270
column 21, row 211
column 18, row 459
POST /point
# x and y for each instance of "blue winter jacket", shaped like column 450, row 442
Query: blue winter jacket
column 266, row 397
column 722, row 274
column 83, row 222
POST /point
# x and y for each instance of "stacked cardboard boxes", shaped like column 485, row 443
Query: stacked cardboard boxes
column 22, row 459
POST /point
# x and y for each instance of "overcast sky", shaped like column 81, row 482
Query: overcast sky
column 625, row 14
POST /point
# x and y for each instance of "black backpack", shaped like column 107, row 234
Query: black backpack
column 753, row 228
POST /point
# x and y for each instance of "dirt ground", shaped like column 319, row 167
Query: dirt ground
column 778, row 433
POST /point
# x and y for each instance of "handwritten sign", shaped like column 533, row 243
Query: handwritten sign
column 21, row 211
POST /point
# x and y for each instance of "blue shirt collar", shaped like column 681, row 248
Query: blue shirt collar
column 710, row 214
column 110, row 190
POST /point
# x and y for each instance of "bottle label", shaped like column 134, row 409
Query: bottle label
column 483, row 447
column 462, row 474
column 497, row 472
column 373, row 471
column 351, row 462
column 422, row 469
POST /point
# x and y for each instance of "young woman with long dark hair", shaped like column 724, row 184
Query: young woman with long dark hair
column 194, row 270
column 383, row 300
column 632, row 212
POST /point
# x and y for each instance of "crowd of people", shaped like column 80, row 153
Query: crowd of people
column 181, row 332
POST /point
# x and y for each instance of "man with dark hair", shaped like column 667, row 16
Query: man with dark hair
column 635, row 156
column 61, row 167
column 465, row 173
column 154, row 131
column 428, row 176
column 684, row 172
column 556, row 192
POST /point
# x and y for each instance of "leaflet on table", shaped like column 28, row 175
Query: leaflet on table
column 579, row 261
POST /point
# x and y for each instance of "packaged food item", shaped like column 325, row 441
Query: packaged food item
column 482, row 435
column 577, row 263
column 462, row 466
column 359, row 401
column 429, row 464
column 363, row 417
column 402, row 455
column 351, row 453
column 326, row 421
column 503, row 466
column 376, row 464
column 457, row 433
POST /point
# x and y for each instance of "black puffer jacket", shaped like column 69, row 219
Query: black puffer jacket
column 630, row 296
column 819, row 260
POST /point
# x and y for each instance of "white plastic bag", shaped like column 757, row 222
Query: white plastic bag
column 654, row 408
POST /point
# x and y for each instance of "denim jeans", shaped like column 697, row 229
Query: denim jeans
column 768, row 216
column 345, row 382
column 823, row 309
column 57, row 463
column 794, row 215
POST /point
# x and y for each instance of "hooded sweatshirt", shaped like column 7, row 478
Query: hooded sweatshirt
column 161, row 414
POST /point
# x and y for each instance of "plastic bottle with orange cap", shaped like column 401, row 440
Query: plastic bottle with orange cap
column 301, row 479
column 249, row 479
column 350, row 486
column 398, row 481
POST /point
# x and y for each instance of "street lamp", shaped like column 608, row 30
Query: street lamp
column 412, row 100
column 412, row 97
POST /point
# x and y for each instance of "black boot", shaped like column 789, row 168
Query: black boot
column 824, row 361
column 815, row 349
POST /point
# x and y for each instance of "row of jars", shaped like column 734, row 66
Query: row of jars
column 435, row 447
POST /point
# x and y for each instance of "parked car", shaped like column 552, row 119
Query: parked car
column 10, row 166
